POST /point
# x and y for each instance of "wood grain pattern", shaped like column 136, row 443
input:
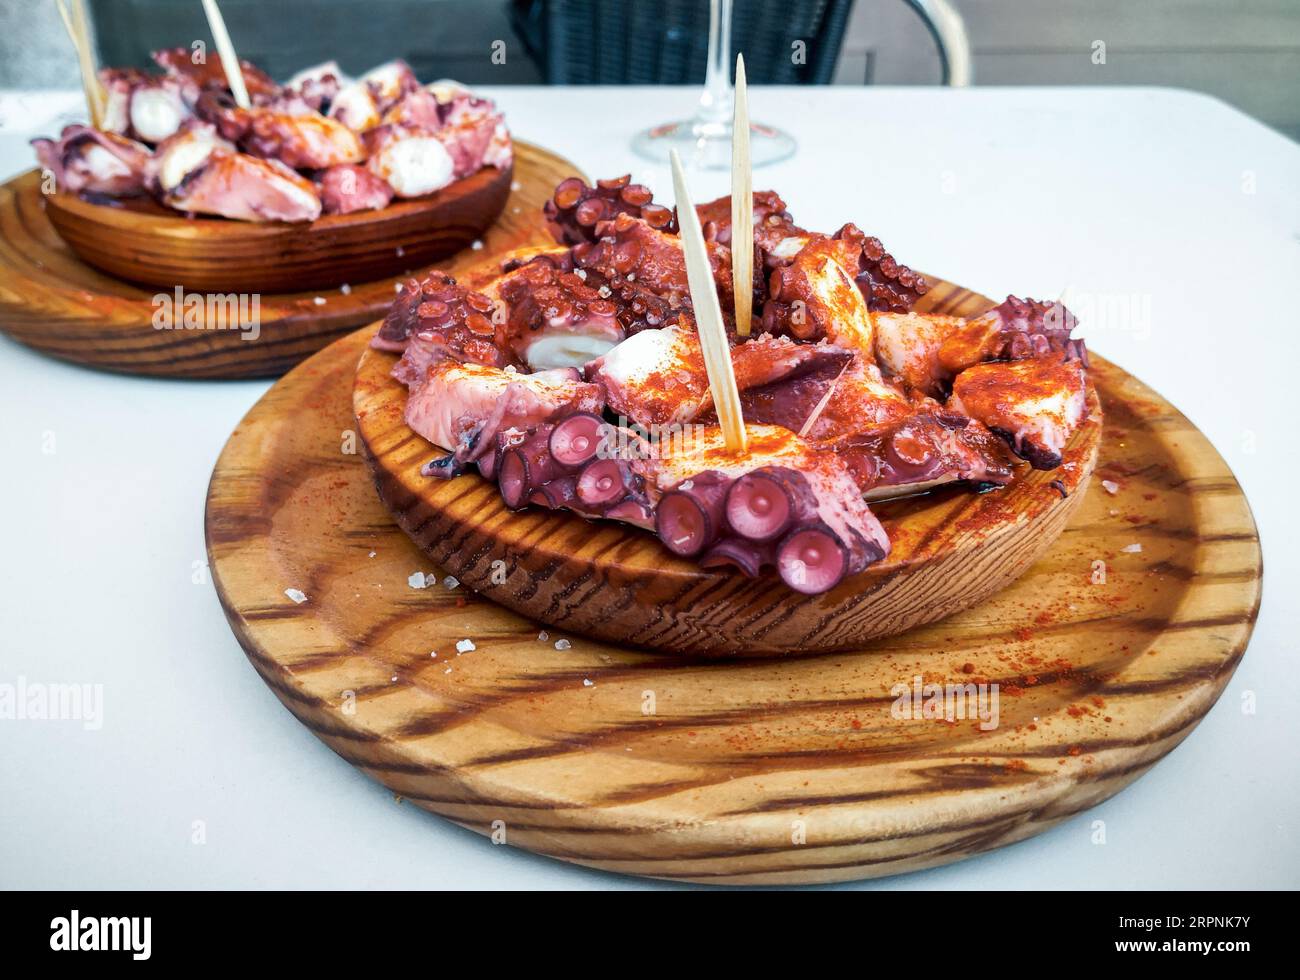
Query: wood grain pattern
column 55, row 303
column 711, row 771
column 158, row 247
column 951, row 549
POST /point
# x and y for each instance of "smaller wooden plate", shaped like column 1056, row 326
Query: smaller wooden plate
column 53, row 301
column 149, row 244
column 951, row 549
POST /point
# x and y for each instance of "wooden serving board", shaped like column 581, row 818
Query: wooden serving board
column 744, row 771
column 52, row 301
column 950, row 549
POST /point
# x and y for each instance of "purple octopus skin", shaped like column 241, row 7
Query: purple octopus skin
column 558, row 493
column 575, row 440
column 926, row 447
column 1031, row 327
column 644, row 271
column 887, row 285
column 64, row 158
column 633, row 509
column 749, row 557
column 762, row 504
column 575, row 211
column 604, row 482
column 691, row 517
column 812, row 559
column 777, row 502
column 526, row 468
column 768, row 517
column 454, row 321
column 545, row 296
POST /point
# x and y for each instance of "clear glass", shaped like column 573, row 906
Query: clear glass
column 705, row 140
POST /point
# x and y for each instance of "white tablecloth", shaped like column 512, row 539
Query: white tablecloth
column 1174, row 221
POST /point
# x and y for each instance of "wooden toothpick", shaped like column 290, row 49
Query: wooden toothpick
column 229, row 60
column 708, row 317
column 78, row 29
column 825, row 400
column 742, row 207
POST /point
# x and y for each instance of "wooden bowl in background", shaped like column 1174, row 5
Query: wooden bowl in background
column 146, row 243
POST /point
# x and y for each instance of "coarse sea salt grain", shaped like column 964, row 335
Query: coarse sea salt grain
column 588, row 682
column 464, row 646
column 451, row 581
column 345, row 289
column 318, row 300
column 563, row 644
column 476, row 245
column 399, row 251
column 543, row 636
column 1111, row 486
column 1131, row 549
column 416, row 580
column 433, row 654
column 297, row 595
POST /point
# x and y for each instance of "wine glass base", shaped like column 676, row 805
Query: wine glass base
column 707, row 146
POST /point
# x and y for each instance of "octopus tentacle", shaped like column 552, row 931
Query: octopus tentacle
column 806, row 524
column 525, row 469
column 576, row 212
column 772, row 222
column 554, row 316
column 644, row 271
column 1013, row 330
column 692, row 516
column 747, row 556
column 887, row 284
column 448, row 319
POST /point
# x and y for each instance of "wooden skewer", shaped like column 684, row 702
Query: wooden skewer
column 820, row 407
column 229, row 60
column 742, row 206
column 708, row 317
column 67, row 24
column 79, row 33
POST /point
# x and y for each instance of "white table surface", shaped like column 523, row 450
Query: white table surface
column 1166, row 196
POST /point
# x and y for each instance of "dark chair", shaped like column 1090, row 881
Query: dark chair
column 620, row 42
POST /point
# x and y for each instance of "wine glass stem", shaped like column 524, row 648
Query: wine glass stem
column 715, row 102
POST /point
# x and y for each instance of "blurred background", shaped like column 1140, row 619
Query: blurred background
column 1246, row 52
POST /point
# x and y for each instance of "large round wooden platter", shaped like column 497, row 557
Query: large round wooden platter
column 53, row 301
column 950, row 550
column 749, row 770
